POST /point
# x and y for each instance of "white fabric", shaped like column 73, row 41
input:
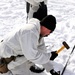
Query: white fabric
column 23, row 70
column 48, row 66
column 25, row 42
column 34, row 6
column 35, row 2
column 32, row 10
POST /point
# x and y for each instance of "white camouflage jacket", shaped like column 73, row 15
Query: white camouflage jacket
column 25, row 41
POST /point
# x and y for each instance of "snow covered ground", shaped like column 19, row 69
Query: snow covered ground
column 13, row 15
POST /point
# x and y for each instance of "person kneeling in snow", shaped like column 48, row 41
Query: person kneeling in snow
column 26, row 46
column 37, row 9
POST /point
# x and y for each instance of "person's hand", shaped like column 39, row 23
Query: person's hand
column 41, row 12
column 53, row 55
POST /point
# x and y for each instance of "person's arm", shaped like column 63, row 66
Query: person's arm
column 29, row 48
column 48, row 66
column 29, row 43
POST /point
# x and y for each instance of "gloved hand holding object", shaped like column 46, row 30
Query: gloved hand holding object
column 54, row 55
column 37, row 69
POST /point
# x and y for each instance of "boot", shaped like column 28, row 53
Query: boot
column 36, row 69
column 53, row 72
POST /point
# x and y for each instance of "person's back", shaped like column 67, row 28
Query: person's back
column 15, row 44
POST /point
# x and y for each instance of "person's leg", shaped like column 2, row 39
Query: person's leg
column 21, row 69
column 24, row 69
column 49, row 68
column 32, row 10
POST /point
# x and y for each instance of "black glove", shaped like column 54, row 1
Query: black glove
column 36, row 69
column 53, row 72
column 54, row 55
column 41, row 12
